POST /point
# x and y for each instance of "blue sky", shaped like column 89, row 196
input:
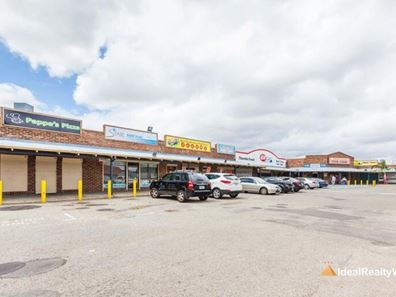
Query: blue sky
column 50, row 90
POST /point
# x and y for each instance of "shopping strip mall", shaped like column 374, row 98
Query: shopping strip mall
column 35, row 147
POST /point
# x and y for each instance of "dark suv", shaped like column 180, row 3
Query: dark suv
column 182, row 185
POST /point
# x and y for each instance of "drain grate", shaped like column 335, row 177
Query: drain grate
column 105, row 209
column 18, row 207
column 82, row 207
column 33, row 267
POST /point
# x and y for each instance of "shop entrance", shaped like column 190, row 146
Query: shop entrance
column 133, row 172
column 46, row 170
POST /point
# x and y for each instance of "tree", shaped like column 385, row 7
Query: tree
column 383, row 167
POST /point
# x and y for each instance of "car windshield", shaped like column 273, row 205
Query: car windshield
column 261, row 181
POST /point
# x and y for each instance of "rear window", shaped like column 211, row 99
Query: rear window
column 231, row 177
column 212, row 176
column 197, row 177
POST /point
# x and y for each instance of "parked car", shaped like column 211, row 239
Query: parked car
column 309, row 183
column 322, row 183
column 285, row 186
column 182, row 185
column 224, row 184
column 257, row 185
column 296, row 184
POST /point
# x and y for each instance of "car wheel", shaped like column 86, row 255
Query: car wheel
column 263, row 191
column 154, row 193
column 306, row 187
column 233, row 195
column 203, row 198
column 181, row 196
column 217, row 194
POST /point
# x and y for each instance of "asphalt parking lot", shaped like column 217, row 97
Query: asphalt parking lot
column 250, row 246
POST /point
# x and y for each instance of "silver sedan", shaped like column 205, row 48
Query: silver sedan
column 254, row 184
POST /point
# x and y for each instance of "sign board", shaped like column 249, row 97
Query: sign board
column 225, row 149
column 339, row 161
column 260, row 157
column 358, row 163
column 321, row 165
column 187, row 144
column 22, row 119
column 130, row 135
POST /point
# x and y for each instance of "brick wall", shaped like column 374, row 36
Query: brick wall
column 59, row 175
column 31, row 174
column 320, row 159
column 96, row 138
column 92, row 175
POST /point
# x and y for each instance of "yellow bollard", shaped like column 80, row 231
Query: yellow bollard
column 134, row 188
column 355, row 182
column 43, row 191
column 361, row 182
column 367, row 182
column 374, row 183
column 109, row 189
column 1, row 192
column 80, row 190
column 348, row 182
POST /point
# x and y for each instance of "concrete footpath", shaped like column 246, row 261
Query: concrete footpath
column 24, row 199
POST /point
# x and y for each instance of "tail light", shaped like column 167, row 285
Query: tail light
column 227, row 182
column 209, row 186
column 190, row 185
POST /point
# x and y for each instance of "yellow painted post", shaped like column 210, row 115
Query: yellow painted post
column 355, row 182
column 1, row 192
column 80, row 190
column 361, row 182
column 134, row 187
column 374, row 183
column 367, row 182
column 43, row 191
column 109, row 189
column 348, row 182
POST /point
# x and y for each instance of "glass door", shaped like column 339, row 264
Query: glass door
column 133, row 172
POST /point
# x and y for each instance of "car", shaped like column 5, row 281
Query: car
column 183, row 185
column 285, row 186
column 224, row 184
column 308, row 183
column 252, row 184
column 322, row 183
column 296, row 184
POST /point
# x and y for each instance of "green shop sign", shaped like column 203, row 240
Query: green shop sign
column 18, row 118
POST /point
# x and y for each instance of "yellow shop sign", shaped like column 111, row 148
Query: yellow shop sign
column 187, row 144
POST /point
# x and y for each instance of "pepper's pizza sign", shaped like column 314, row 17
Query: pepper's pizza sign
column 16, row 118
column 260, row 157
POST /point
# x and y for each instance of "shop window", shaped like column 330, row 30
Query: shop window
column 119, row 174
column 148, row 173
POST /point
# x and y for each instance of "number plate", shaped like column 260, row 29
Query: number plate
column 201, row 187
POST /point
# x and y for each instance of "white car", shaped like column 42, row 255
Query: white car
column 254, row 184
column 309, row 183
column 224, row 183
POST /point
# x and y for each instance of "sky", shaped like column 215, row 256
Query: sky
column 295, row 76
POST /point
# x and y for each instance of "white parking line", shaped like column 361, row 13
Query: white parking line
column 69, row 216
column 19, row 222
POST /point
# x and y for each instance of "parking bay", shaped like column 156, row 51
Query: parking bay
column 254, row 245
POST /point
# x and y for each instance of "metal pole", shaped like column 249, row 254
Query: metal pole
column 111, row 173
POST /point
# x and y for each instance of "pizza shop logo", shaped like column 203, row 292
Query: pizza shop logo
column 14, row 117
column 263, row 157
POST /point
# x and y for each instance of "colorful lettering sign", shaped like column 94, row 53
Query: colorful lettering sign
column 23, row 119
column 187, row 144
column 225, row 149
column 260, row 158
column 130, row 135
column 339, row 161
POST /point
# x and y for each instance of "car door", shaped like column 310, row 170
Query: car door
column 248, row 184
column 163, row 184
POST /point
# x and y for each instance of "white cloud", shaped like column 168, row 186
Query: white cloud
column 10, row 93
column 293, row 76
